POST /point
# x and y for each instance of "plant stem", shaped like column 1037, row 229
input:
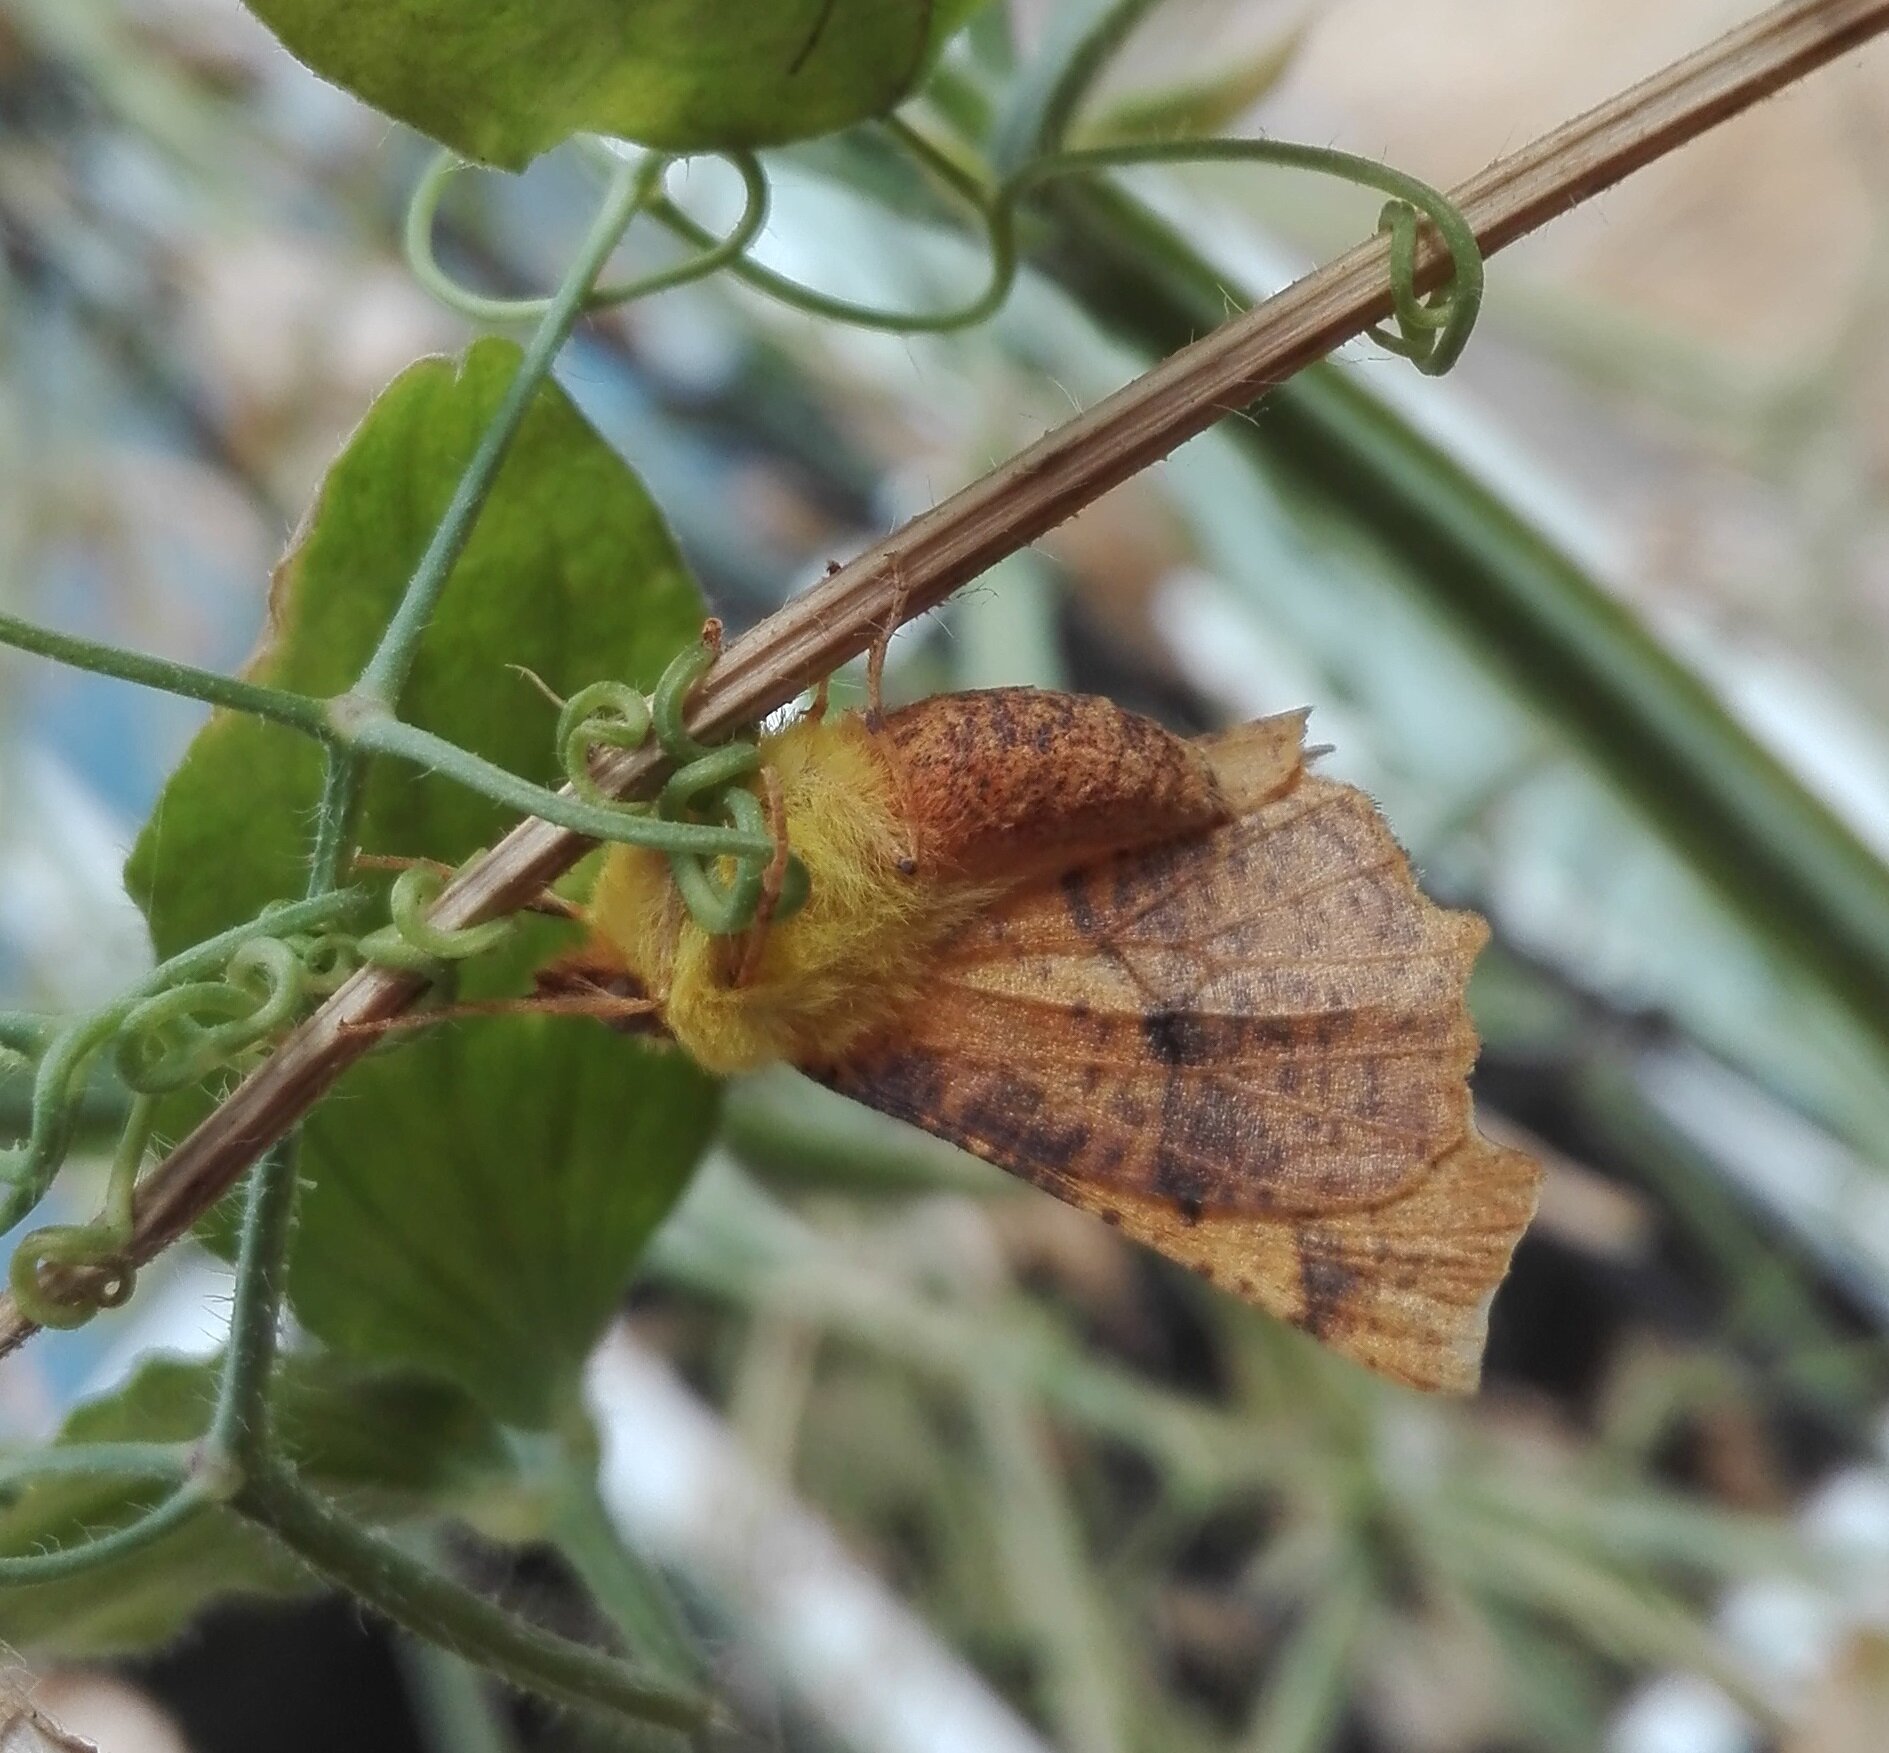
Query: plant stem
column 334, row 820
column 375, row 732
column 73, row 1047
column 422, row 1601
column 423, row 210
column 129, row 1461
column 629, row 1589
column 278, row 705
column 187, row 1500
column 387, row 670
column 1081, row 41
column 240, row 1425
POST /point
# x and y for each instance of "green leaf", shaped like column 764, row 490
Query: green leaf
column 392, row 1445
column 480, row 1197
column 508, row 79
column 476, row 1199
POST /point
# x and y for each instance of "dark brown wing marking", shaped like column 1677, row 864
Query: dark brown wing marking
column 1267, row 1017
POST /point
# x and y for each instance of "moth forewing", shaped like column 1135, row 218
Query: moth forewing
column 1185, row 985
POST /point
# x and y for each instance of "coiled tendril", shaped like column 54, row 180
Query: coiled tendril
column 710, row 253
column 189, row 1021
column 724, row 895
column 411, row 941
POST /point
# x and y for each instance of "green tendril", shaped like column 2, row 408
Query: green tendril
column 609, row 715
column 722, row 893
column 669, row 702
column 164, row 1044
column 65, row 1052
column 187, row 1500
column 413, row 943
column 100, row 1244
column 711, row 253
column 1431, row 332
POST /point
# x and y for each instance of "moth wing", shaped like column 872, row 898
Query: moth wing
column 1249, row 1049
column 1403, row 1287
column 1267, row 1017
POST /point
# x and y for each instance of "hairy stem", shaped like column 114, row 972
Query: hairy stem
column 240, row 1425
column 378, row 733
column 188, row 1500
column 421, row 1600
column 129, row 1461
column 278, row 705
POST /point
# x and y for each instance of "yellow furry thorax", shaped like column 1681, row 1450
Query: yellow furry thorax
column 836, row 971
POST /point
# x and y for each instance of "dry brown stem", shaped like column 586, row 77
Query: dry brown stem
column 918, row 566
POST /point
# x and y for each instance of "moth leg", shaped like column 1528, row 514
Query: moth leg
column 875, row 656
column 597, row 1004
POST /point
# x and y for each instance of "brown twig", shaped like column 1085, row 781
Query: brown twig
column 917, row 567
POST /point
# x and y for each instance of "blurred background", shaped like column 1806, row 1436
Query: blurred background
column 1006, row 1482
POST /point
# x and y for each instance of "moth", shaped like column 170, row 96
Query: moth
column 1190, row 987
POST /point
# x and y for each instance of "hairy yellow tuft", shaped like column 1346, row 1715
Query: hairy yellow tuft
column 841, row 967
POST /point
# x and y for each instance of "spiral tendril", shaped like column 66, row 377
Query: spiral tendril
column 723, row 895
column 100, row 1244
column 412, row 942
column 710, row 254
column 1430, row 332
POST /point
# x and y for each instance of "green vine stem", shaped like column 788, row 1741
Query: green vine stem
column 421, row 1600
column 1432, row 333
column 377, row 732
column 240, row 1427
column 189, row 1499
column 156, row 1462
column 423, row 213
column 297, row 711
column 27, row 1173
column 630, row 189
column 238, row 1457
column 343, row 774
